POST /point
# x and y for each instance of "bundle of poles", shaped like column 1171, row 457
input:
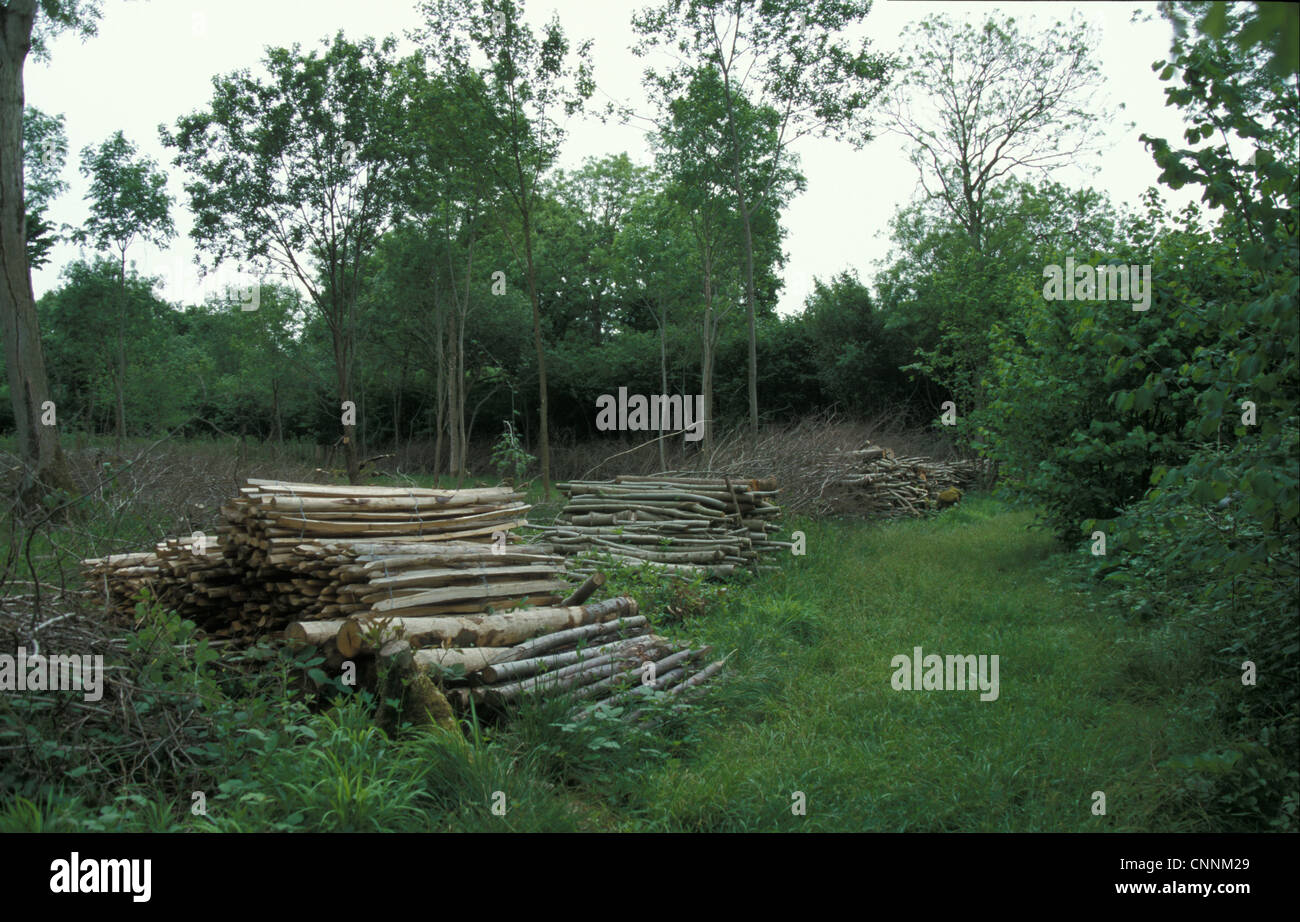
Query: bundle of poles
column 618, row 661
column 601, row 651
column 872, row 482
column 675, row 522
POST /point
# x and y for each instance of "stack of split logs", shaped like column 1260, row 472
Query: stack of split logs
column 364, row 582
column 189, row 575
column 676, row 522
column 327, row 553
column 872, row 482
column 290, row 552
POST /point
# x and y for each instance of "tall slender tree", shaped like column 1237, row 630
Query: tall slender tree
column 294, row 171
column 981, row 104
column 447, row 190
column 528, row 82
column 655, row 252
column 785, row 56
column 27, row 26
column 693, row 149
column 128, row 203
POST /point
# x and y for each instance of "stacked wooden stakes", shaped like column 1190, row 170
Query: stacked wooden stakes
column 367, row 583
column 872, row 482
column 676, row 522
column 319, row 550
column 186, row 574
column 616, row 663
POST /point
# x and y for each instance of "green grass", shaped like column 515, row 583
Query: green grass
column 1090, row 700
column 812, row 708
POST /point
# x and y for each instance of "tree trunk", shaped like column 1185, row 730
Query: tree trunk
column 460, row 396
column 38, row 444
column 462, row 316
column 365, row 418
column 663, row 378
column 748, row 239
column 455, row 406
column 343, row 370
column 753, row 329
column 276, row 421
column 706, row 356
column 545, row 442
column 397, row 408
column 119, row 379
column 440, row 395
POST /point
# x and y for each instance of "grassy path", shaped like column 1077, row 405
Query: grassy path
column 814, row 710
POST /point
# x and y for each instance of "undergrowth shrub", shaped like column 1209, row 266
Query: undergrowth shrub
column 1175, row 431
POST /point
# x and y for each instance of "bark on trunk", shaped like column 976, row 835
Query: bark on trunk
column 456, row 465
column 663, row 379
column 748, row 238
column 440, row 399
column 276, row 416
column 584, row 592
column 481, row 630
column 342, row 367
column 119, row 377
column 462, row 310
column 38, row 444
column 753, row 329
column 706, row 357
column 545, row 442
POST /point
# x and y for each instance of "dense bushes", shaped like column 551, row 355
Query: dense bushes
column 1174, row 431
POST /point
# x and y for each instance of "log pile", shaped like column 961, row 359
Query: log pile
column 360, row 580
column 872, row 482
column 675, row 522
column 602, row 658
column 369, row 632
column 620, row 666
column 269, row 519
column 595, row 652
column 290, row 552
column 426, row 580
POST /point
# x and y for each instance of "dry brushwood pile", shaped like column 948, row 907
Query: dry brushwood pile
column 295, row 551
column 871, row 482
column 676, row 522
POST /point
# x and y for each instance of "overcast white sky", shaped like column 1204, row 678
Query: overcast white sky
column 153, row 61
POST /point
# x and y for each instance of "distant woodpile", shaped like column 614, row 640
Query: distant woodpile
column 870, row 482
column 675, row 522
